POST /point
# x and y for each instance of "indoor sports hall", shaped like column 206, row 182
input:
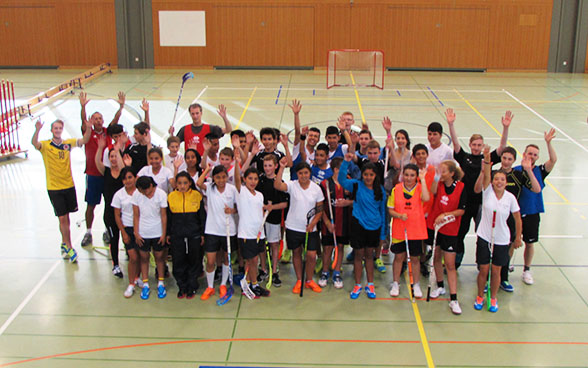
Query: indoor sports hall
column 255, row 58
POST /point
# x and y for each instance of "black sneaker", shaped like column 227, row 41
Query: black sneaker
column 87, row 240
column 181, row 294
column 424, row 270
column 261, row 275
column 276, row 280
column 259, row 291
column 190, row 294
column 116, row 271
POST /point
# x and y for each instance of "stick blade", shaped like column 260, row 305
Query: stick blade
column 224, row 300
column 246, row 289
column 187, row 76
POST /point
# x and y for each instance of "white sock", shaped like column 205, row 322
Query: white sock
column 225, row 274
column 160, row 283
column 210, row 278
column 89, row 231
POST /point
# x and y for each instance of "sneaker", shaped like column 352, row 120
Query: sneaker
column 310, row 284
column 161, row 292
column 106, row 237
column 73, row 255
column 479, row 303
column 385, row 251
column 454, row 306
column 380, row 265
column 64, row 251
column 286, row 256
column 276, row 280
column 337, row 281
column 222, row 291
column 370, row 291
column 435, row 293
column 237, row 278
column 506, row 286
column 259, row 291
column 87, row 240
column 145, row 292
column 324, row 279
column 129, row 291
column 181, row 294
column 139, row 283
column 261, row 275
column 351, row 256
column 528, row 278
column 416, row 289
column 297, row 287
column 190, row 294
column 355, row 292
column 394, row 289
column 319, row 265
column 207, row 293
column 116, row 271
column 493, row 306
column 511, row 268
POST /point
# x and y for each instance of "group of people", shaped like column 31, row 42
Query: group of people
column 199, row 206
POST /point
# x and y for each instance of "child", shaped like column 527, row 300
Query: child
column 368, row 227
column 269, row 139
column 221, row 198
column 192, row 160
column 149, row 227
column 138, row 150
column 186, row 219
column 340, row 210
column 437, row 150
column 332, row 136
column 123, row 215
column 305, row 197
column 365, row 136
column 162, row 176
column 272, row 226
column 406, row 208
column 173, row 145
column 320, row 169
column 249, row 245
column 210, row 154
column 450, row 199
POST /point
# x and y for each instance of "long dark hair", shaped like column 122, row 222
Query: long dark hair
column 198, row 160
column 184, row 174
column 378, row 192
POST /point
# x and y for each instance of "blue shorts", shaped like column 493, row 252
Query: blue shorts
column 94, row 189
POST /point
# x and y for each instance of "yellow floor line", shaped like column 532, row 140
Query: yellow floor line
column 357, row 98
column 246, row 107
column 421, row 327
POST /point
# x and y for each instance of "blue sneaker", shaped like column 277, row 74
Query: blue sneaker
column 64, row 251
column 369, row 290
column 355, row 292
column 506, row 286
column 161, row 292
column 478, row 303
column 145, row 292
column 380, row 265
column 350, row 256
column 73, row 255
column 493, row 306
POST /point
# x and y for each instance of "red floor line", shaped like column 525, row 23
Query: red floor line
column 289, row 340
column 421, row 299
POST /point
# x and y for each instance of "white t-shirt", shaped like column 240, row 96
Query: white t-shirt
column 150, row 213
column 162, row 178
column 122, row 201
column 301, row 202
column 215, row 204
column 296, row 153
column 251, row 220
column 439, row 154
column 195, row 177
column 169, row 163
column 504, row 207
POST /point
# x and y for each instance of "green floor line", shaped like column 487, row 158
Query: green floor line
column 234, row 328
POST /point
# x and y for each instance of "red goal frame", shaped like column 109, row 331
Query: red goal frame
column 378, row 72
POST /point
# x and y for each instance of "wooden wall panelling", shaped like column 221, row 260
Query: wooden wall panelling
column 264, row 35
column 183, row 56
column 369, row 27
column 519, row 36
column 332, row 30
column 27, row 35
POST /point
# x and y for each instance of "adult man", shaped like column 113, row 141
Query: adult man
column 60, row 185
column 532, row 203
column 94, row 180
column 437, row 150
column 471, row 164
column 193, row 135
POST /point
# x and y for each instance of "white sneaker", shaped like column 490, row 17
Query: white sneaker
column 527, row 277
column 139, row 283
column 454, row 306
column 417, row 290
column 130, row 291
column 435, row 293
column 394, row 289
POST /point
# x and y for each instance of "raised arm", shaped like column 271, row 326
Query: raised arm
column 296, row 107
column 250, row 157
column 237, row 172
column 236, row 143
column 342, row 178
column 200, row 182
column 506, row 120
column 83, row 102
column 279, row 183
column 450, row 116
column 343, row 128
column 35, row 140
column 86, row 137
column 284, row 141
column 98, row 156
column 222, row 111
column 425, row 195
column 121, row 103
column 145, row 108
column 528, row 169
column 552, row 156
column 486, row 167
column 206, row 144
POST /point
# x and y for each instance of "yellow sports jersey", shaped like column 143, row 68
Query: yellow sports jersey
column 58, row 163
column 390, row 204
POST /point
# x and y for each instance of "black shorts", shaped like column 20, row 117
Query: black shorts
column 214, row 243
column 152, row 244
column 64, row 201
column 531, row 228
column 363, row 238
column 132, row 244
column 499, row 256
column 296, row 239
column 447, row 243
column 250, row 248
column 415, row 247
column 327, row 239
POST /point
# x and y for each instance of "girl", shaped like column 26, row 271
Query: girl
column 249, row 245
column 163, row 177
column 150, row 225
column 123, row 214
column 192, row 159
column 112, row 183
column 402, row 150
column 405, row 205
column 450, row 199
column 496, row 201
column 368, row 216
column 305, row 196
column 221, row 198
column 186, row 219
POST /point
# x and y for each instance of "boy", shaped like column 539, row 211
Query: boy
column 138, row 150
column 210, row 151
column 437, row 150
column 306, row 138
column 332, row 136
column 321, row 170
column 173, row 145
column 269, row 140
